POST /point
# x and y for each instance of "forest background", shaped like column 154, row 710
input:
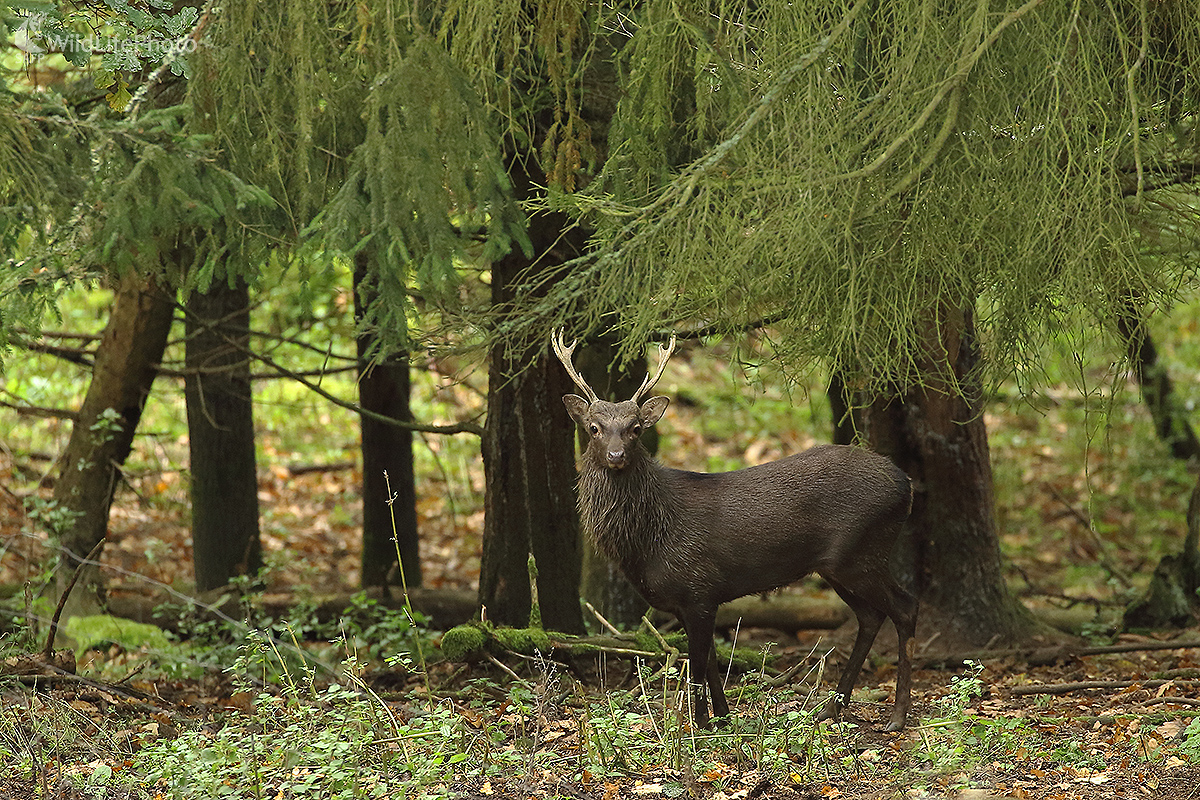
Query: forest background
column 964, row 236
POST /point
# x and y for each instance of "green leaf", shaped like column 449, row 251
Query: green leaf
column 119, row 99
column 182, row 22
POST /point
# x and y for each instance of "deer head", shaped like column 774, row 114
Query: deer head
column 613, row 428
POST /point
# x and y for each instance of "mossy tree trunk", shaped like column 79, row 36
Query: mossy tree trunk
column 225, row 532
column 388, row 484
column 950, row 553
column 126, row 363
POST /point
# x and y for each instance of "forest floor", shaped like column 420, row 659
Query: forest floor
column 1087, row 503
column 549, row 734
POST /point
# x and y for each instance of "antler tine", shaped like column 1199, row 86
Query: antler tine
column 664, row 357
column 564, row 354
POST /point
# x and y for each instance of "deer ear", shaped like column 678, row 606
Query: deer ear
column 576, row 406
column 653, row 409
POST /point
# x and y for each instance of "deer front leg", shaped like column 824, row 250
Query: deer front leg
column 702, row 665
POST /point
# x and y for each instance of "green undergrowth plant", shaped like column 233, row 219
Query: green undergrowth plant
column 954, row 740
column 300, row 735
column 338, row 742
column 1189, row 747
column 647, row 730
column 300, row 639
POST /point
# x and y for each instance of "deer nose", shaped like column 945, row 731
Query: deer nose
column 616, row 459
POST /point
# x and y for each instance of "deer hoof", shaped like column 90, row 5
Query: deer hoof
column 833, row 708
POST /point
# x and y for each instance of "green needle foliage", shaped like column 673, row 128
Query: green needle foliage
column 860, row 173
column 371, row 136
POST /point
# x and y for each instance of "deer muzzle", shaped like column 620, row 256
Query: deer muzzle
column 616, row 459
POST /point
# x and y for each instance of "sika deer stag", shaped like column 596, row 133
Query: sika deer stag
column 690, row 541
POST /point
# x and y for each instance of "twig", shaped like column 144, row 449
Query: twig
column 1086, row 523
column 1068, row 688
column 48, row 650
column 605, row 623
column 1048, row 654
column 786, row 676
column 295, row 470
column 75, row 355
column 506, row 668
column 130, row 695
column 672, row 652
column 666, row 647
column 40, row 411
column 1183, row 701
column 459, row 427
column 23, row 331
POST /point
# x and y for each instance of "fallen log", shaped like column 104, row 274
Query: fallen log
column 444, row 608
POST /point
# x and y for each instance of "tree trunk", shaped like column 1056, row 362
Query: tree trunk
column 384, row 388
column 221, row 435
column 529, row 458
column 1170, row 420
column 950, row 554
column 602, row 584
column 102, row 436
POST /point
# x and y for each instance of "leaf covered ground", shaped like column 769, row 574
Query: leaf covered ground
column 553, row 733
column 1087, row 503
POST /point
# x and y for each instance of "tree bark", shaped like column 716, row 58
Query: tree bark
column 529, row 457
column 950, row 553
column 388, row 483
column 1170, row 421
column 101, row 438
column 225, row 534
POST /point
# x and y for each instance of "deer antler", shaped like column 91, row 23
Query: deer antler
column 564, row 354
column 664, row 357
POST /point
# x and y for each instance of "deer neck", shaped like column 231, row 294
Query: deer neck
column 627, row 512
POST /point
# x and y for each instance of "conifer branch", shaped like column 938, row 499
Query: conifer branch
column 467, row 426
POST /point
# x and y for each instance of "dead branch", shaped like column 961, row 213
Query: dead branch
column 1079, row 686
column 468, row 426
column 41, row 411
column 1183, row 701
column 48, row 650
column 307, row 469
column 1049, row 655
column 86, row 337
column 75, row 355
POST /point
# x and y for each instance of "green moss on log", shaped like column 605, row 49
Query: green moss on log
column 464, row 642
column 525, row 641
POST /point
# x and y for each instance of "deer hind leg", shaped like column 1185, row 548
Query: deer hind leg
column 870, row 619
column 903, row 611
column 881, row 596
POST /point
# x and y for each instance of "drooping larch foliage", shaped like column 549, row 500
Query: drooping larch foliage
column 859, row 173
column 369, row 134
column 99, row 170
column 853, row 172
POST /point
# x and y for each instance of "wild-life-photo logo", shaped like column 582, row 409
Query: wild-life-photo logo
column 42, row 34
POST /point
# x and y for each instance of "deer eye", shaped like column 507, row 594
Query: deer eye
column 636, row 430
column 594, row 429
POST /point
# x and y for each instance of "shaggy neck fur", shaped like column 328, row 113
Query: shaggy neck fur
column 628, row 512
